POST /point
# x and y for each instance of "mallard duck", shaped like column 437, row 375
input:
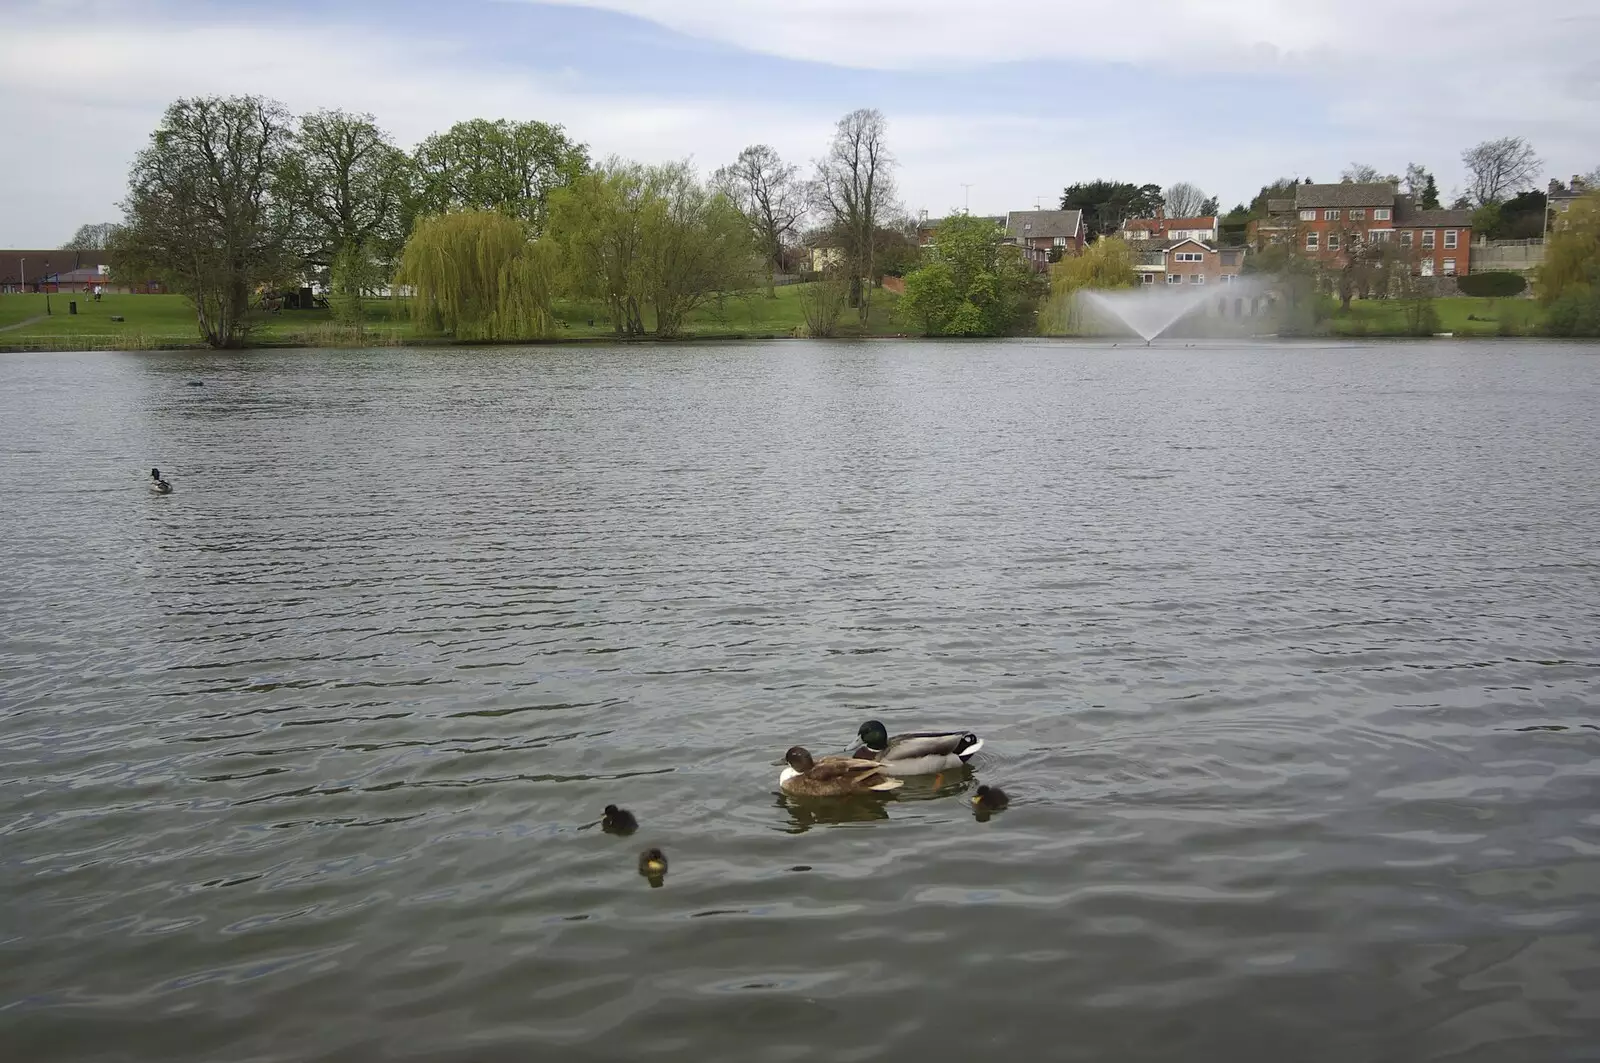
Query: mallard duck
column 157, row 484
column 922, row 753
column 618, row 821
column 831, row 776
column 990, row 798
column 652, row 863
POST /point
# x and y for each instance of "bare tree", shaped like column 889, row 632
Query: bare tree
column 1360, row 173
column 1499, row 169
column 1184, row 200
column 93, row 237
column 771, row 199
column 853, row 189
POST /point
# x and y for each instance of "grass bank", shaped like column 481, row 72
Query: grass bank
column 1461, row 315
column 152, row 322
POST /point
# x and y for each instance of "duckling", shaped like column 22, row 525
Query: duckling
column 157, row 484
column 920, row 753
column 990, row 798
column 653, row 865
column 618, row 821
column 831, row 776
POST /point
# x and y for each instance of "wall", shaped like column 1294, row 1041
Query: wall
column 1514, row 255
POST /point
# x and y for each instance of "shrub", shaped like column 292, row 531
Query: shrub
column 1576, row 313
column 1492, row 285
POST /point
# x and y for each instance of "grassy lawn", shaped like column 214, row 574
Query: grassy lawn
column 1462, row 315
column 168, row 320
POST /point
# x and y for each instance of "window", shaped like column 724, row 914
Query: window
column 1330, row 215
column 1227, row 278
column 1358, row 213
column 1427, row 267
column 1308, row 215
column 1147, row 278
column 1311, row 241
column 1449, row 239
column 1427, row 239
column 1173, row 278
column 1333, row 241
column 1405, row 237
column 1061, row 241
column 1380, row 213
column 1197, row 278
column 1379, row 236
column 1189, row 256
column 1449, row 267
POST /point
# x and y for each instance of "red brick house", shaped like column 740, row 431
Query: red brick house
column 1187, row 262
column 1041, row 233
column 1332, row 220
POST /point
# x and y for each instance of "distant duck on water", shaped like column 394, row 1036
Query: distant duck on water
column 157, row 484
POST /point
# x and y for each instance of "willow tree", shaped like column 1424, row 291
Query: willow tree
column 478, row 276
column 1107, row 263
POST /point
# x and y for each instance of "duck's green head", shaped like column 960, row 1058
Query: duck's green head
column 799, row 758
column 874, row 735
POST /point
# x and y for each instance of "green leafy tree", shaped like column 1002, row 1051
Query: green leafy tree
column 351, row 187
column 597, row 225
column 478, row 276
column 209, row 211
column 1569, row 281
column 511, row 167
column 1107, row 204
column 976, row 284
column 1105, row 264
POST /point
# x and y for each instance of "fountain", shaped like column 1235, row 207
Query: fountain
column 1150, row 310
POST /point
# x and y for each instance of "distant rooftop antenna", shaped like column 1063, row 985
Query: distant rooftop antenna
column 966, row 197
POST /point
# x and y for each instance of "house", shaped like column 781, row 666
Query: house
column 1335, row 219
column 1046, row 235
column 1188, row 262
column 1280, row 226
column 1561, row 199
column 37, row 271
column 1162, row 227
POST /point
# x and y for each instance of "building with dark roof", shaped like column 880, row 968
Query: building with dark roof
column 1041, row 233
column 1334, row 220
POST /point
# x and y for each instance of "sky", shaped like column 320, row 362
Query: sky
column 992, row 106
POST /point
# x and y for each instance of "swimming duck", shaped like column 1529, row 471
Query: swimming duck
column 157, row 484
column 831, row 776
column 618, row 821
column 653, row 864
column 922, row 753
column 990, row 798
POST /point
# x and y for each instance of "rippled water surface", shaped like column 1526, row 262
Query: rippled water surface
column 1286, row 655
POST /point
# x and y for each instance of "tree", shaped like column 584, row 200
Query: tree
column 771, row 199
column 92, row 237
column 823, row 301
column 695, row 243
column 1420, row 186
column 1499, row 168
column 207, row 211
column 1572, row 253
column 350, row 185
column 511, row 167
column 478, row 276
column 975, row 285
column 1185, row 200
column 1282, row 188
column 637, row 236
column 1107, row 204
column 1362, row 173
column 1210, row 207
column 853, row 189
column 1107, row 263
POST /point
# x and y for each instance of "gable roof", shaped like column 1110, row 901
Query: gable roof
column 1280, row 206
column 1173, row 245
column 1371, row 194
column 1040, row 224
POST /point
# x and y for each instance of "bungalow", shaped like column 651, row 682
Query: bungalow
column 1335, row 219
column 1046, row 235
column 1188, row 262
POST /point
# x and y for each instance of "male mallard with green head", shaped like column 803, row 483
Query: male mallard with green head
column 831, row 776
column 920, row 753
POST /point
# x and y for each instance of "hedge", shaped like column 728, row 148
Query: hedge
column 1492, row 285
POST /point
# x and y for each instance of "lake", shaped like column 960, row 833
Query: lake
column 1287, row 655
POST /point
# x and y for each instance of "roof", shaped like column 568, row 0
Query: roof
column 1372, row 194
column 1165, row 224
column 12, row 264
column 1039, row 224
column 1407, row 215
column 1280, row 206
